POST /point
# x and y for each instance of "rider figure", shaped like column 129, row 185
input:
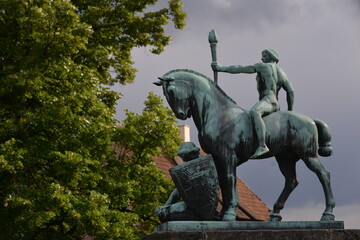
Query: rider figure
column 270, row 79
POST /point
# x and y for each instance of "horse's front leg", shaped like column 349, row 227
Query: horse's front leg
column 226, row 168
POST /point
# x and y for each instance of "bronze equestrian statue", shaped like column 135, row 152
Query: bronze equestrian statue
column 227, row 132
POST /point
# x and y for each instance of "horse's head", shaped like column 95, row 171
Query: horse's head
column 178, row 93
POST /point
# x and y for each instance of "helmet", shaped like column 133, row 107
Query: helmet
column 187, row 147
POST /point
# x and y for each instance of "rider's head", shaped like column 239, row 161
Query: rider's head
column 188, row 151
column 270, row 55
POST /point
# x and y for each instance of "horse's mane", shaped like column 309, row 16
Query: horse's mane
column 203, row 76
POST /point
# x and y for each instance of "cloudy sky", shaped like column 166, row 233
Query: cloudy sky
column 318, row 43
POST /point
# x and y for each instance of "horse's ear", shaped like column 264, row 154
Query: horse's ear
column 158, row 83
column 166, row 78
column 169, row 79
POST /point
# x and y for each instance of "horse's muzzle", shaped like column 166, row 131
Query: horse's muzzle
column 183, row 115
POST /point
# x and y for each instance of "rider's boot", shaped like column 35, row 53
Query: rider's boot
column 260, row 132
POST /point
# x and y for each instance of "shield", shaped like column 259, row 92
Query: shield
column 197, row 182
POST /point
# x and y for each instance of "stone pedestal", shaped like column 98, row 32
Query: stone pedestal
column 312, row 234
column 198, row 230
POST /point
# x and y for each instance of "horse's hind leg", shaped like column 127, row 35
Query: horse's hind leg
column 314, row 164
column 287, row 167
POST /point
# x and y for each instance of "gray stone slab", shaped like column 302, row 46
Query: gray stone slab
column 348, row 234
column 294, row 234
column 183, row 226
column 290, row 234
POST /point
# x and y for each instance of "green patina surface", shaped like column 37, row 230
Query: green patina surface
column 233, row 135
column 178, row 226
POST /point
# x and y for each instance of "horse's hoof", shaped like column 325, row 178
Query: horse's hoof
column 327, row 217
column 260, row 151
column 229, row 217
column 275, row 217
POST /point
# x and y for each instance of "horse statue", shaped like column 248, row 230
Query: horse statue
column 226, row 131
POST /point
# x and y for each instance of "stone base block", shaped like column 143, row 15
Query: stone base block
column 213, row 230
column 312, row 234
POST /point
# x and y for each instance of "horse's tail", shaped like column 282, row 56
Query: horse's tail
column 325, row 148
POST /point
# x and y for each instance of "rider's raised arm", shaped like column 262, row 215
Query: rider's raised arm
column 241, row 69
column 233, row 68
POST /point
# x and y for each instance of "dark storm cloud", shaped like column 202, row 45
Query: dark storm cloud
column 356, row 4
column 242, row 14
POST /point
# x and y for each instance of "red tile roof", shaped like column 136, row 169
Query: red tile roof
column 250, row 203
column 251, row 207
column 165, row 163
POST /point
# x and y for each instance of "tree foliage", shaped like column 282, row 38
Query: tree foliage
column 59, row 178
column 153, row 133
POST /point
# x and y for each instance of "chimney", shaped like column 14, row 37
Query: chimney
column 185, row 133
column 185, row 136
